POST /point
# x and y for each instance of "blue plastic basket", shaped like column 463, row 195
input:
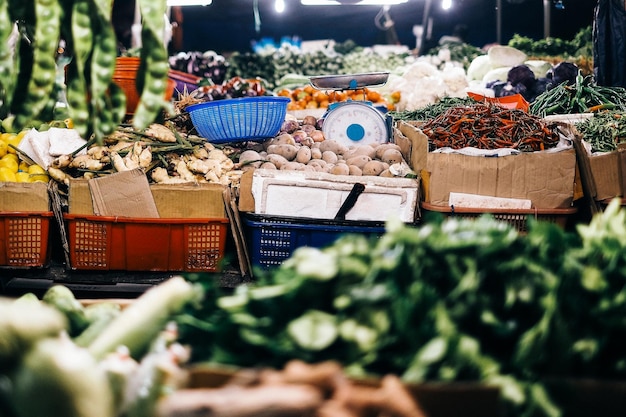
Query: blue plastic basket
column 239, row 119
column 271, row 239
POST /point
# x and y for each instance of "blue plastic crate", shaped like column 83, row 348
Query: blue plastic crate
column 239, row 119
column 271, row 239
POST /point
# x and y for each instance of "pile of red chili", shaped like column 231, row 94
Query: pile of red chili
column 489, row 126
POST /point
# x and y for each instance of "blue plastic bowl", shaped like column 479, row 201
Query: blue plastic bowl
column 239, row 119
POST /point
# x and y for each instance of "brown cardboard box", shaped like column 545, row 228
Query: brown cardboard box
column 546, row 178
column 172, row 200
column 24, row 197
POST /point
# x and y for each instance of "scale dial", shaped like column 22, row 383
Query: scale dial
column 355, row 123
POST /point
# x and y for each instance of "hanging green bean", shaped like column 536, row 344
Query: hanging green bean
column 81, row 44
column 43, row 76
column 153, row 72
column 6, row 58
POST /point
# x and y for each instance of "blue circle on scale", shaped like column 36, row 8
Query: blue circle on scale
column 355, row 132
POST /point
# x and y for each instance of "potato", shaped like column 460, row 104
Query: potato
column 316, row 153
column 386, row 173
column 267, row 165
column 293, row 166
column 333, row 146
column 289, row 152
column 250, row 159
column 355, row 170
column 373, row 167
column 359, row 160
column 380, row 149
column 317, row 136
column 282, row 139
column 317, row 164
column 340, row 169
column 304, row 155
column 330, row 157
column 361, row 150
column 392, row 156
column 277, row 160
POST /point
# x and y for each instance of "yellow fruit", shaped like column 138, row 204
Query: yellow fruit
column 22, row 176
column 23, row 166
column 36, row 169
column 9, row 164
column 38, row 178
column 4, row 147
column 6, row 175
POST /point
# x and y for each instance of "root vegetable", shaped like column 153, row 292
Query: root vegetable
column 86, row 162
column 361, row 150
column 359, row 160
column 287, row 151
column 309, row 120
column 62, row 161
column 333, row 146
column 293, row 166
column 392, row 156
column 299, row 135
column 277, row 160
column 330, row 157
column 98, row 152
column 304, row 155
column 183, row 171
column 282, row 139
column 58, row 175
column 317, row 136
column 340, row 169
column 250, row 159
column 373, row 167
column 380, row 149
column 316, row 153
column 118, row 162
column 355, row 170
column 160, row 176
column 268, row 165
column 145, row 157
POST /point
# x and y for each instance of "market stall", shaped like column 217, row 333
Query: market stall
column 401, row 235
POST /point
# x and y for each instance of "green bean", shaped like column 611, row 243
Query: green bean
column 81, row 45
column 104, row 54
column 6, row 59
column 43, row 76
column 153, row 73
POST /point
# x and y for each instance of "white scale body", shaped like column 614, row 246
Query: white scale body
column 354, row 122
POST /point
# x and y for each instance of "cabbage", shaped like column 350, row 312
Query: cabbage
column 539, row 67
column 479, row 66
column 497, row 74
column 505, row 56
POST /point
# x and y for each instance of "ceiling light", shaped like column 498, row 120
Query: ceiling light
column 446, row 4
column 351, row 2
column 279, row 6
column 173, row 3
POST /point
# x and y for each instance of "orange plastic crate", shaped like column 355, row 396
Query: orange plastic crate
column 139, row 244
column 24, row 239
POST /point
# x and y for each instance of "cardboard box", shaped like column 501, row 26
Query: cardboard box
column 24, row 197
column 546, row 178
column 171, row 200
column 317, row 195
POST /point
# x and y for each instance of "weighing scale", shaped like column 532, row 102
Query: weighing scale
column 354, row 122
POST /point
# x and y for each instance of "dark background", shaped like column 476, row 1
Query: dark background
column 229, row 25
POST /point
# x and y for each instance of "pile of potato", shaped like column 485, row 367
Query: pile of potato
column 301, row 146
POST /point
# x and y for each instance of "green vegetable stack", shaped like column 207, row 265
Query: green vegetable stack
column 31, row 32
column 455, row 300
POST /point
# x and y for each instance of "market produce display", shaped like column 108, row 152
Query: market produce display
column 605, row 131
column 489, row 126
column 15, row 167
column 433, row 304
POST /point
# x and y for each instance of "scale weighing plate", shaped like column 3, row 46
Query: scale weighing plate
column 354, row 122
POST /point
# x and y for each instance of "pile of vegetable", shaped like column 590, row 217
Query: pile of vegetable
column 209, row 65
column 580, row 45
column 166, row 156
column 96, row 105
column 489, row 126
column 453, row 300
column 301, row 146
column 60, row 357
column 582, row 96
column 308, row 97
column 604, row 131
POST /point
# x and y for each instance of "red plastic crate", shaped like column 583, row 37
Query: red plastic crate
column 139, row 244
column 24, row 239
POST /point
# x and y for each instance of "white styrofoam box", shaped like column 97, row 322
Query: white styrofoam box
column 321, row 195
